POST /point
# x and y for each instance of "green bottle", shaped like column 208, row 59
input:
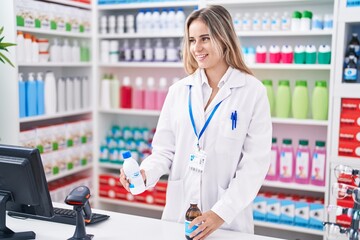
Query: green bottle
column 320, row 101
column 270, row 94
column 300, row 100
column 283, row 99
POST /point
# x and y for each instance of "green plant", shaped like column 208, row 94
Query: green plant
column 3, row 47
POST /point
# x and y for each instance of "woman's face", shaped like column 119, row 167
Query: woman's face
column 201, row 48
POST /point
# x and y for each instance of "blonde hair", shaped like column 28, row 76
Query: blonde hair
column 222, row 35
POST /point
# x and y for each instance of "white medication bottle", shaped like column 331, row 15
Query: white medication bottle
column 132, row 172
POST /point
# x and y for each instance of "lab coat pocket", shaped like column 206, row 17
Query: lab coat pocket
column 174, row 200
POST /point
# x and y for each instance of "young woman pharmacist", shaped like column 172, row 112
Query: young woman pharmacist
column 219, row 114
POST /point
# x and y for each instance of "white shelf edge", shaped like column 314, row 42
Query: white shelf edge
column 291, row 66
column 131, row 204
column 110, row 165
column 347, row 90
column 54, row 32
column 55, row 64
column 140, row 35
column 255, row 2
column 69, row 172
column 288, row 227
column 139, row 112
column 147, row 5
column 57, row 115
column 292, row 121
column 295, row 186
column 71, row 3
column 283, row 33
column 144, row 64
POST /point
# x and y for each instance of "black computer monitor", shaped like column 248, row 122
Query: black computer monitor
column 23, row 187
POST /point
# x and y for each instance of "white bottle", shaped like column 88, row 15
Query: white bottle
column 170, row 22
column 256, row 22
column 77, row 93
column 120, row 28
column 50, row 93
column 28, row 48
column 127, row 50
column 148, row 51
column 103, row 25
column 34, row 50
column 85, row 90
column 70, row 93
column 266, row 22
column 180, row 20
column 147, row 21
column 61, row 95
column 171, row 52
column 114, row 51
column 20, row 47
column 238, row 22
column 140, row 21
column 132, row 172
column 285, row 22
column 275, row 22
column 163, row 21
column 105, row 51
column 105, row 102
column 247, row 22
column 55, row 51
column 75, row 52
column 155, row 19
column 114, row 92
column 161, row 93
column 66, row 51
column 130, row 24
column 112, row 24
column 137, row 51
column 159, row 51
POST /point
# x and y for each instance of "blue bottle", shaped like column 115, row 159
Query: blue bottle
column 31, row 96
column 22, row 96
column 40, row 94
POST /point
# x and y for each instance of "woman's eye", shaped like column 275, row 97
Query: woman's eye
column 205, row 39
column 192, row 41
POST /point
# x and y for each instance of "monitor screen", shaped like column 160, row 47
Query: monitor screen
column 23, row 185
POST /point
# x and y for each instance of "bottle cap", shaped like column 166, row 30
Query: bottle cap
column 193, row 201
column 320, row 83
column 267, row 82
column 126, row 154
column 301, row 83
column 284, row 83
column 303, row 142
column 287, row 141
column 274, row 140
column 307, row 14
column 296, row 14
column 320, row 143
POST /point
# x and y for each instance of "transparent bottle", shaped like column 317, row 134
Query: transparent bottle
column 318, row 164
column 287, row 165
column 302, row 163
column 192, row 212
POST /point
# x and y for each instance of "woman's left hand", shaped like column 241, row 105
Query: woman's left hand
column 208, row 222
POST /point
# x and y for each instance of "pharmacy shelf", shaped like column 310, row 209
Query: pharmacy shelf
column 229, row 3
column 349, row 161
column 131, row 204
column 140, row 35
column 284, row 33
column 115, row 166
column 288, row 227
column 56, row 64
column 136, row 112
column 148, row 5
column 295, row 186
column 349, row 15
column 291, row 121
column 54, row 32
column 347, row 90
column 283, row 66
column 144, row 64
column 69, row 172
column 71, row 3
column 54, row 116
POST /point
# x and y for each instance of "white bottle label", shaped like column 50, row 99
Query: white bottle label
column 318, row 166
column 302, row 165
column 286, row 164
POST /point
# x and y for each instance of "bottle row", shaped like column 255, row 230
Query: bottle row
column 45, row 97
column 299, row 21
column 301, row 54
column 283, row 104
column 35, row 50
column 113, row 52
column 52, row 16
column 351, row 60
column 58, row 137
column 302, row 166
column 289, row 209
column 135, row 94
column 145, row 21
column 100, row 2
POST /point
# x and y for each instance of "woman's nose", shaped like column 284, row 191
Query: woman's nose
column 198, row 46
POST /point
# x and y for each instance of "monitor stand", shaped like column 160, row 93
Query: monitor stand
column 6, row 233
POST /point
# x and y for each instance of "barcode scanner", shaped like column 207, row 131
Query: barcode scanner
column 79, row 199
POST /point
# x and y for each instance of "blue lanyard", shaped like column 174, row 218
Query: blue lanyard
column 206, row 122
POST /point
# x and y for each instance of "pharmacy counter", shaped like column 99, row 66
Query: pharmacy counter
column 119, row 226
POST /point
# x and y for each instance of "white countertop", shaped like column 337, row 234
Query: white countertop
column 119, row 226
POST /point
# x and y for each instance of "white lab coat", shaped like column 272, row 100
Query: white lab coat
column 237, row 160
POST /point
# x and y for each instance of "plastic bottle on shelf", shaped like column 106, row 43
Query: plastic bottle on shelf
column 40, row 94
column 246, row 22
column 266, row 22
column 305, row 22
column 85, row 89
column 275, row 22
column 287, row 165
column 161, row 93
column 274, row 54
column 354, row 41
column 287, row 54
column 50, row 93
column 112, row 24
column 148, row 51
column 303, row 162
column 155, row 18
column 238, row 22
column 273, row 173
column 163, row 21
column 296, row 21
column 283, row 99
column 22, row 96
column 70, row 94
column 27, row 48
column 75, row 52
column 261, row 52
column 159, row 51
column 285, row 22
column 20, row 48
column 127, row 50
column 140, row 21
column 299, row 54
column 171, row 19
column 147, row 21
column 270, row 94
column 137, row 51
column 310, row 54
column 351, row 71
column 328, row 22
column 77, row 93
column 191, row 213
column 180, row 20
column 66, row 51
column 251, row 56
column 114, row 51
column 171, row 52
column 317, row 22
column 61, row 95
column 114, row 91
column 120, row 24
column 318, row 164
column 138, row 94
column 320, row 101
column 132, row 171
column 34, row 50
column 55, row 51
column 103, row 24
column 130, row 28
column 126, row 92
column 105, row 101
column 256, row 22
column 350, row 52
column 300, row 100
column 31, row 96
column 324, row 54
column 150, row 94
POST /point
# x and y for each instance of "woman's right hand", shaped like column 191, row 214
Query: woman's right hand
column 126, row 182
